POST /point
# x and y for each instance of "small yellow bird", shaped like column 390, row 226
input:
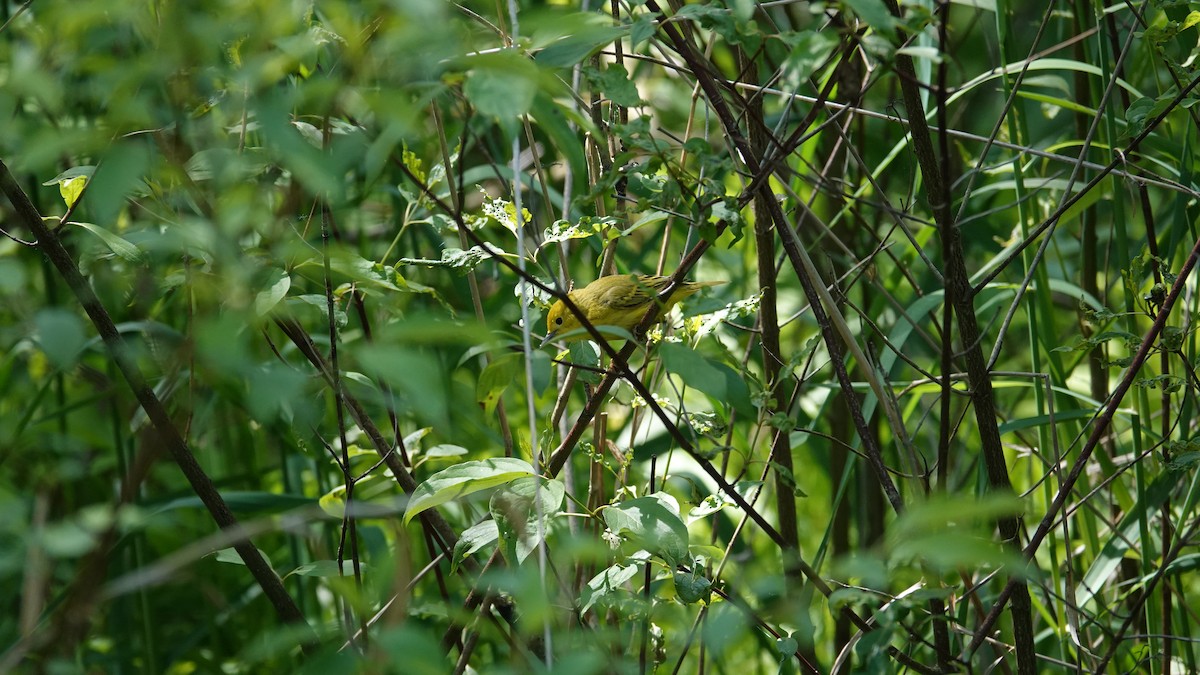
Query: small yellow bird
column 619, row 300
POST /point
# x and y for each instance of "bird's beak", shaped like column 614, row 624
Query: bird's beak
column 549, row 336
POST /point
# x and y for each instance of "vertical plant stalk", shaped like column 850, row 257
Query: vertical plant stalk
column 960, row 294
column 169, row 435
column 349, row 528
column 1099, row 430
column 764, row 236
column 941, row 635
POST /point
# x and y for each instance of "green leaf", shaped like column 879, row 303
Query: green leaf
column 501, row 85
column 579, row 44
column 464, row 479
column 643, row 28
column 691, row 587
column 326, row 568
column 652, row 523
column 949, row 532
column 372, row 274
column 555, row 120
column 585, row 353
column 60, row 335
column 516, row 515
column 71, row 189
column 472, row 539
column 588, row 226
column 609, row 581
column 415, row 373
column 876, row 15
column 457, row 259
column 717, row 380
column 614, row 82
column 709, row 505
column 276, row 289
column 231, row 556
column 1042, row 420
column 115, row 243
column 84, row 171
column 496, row 378
column 119, row 175
column 333, row 502
column 935, row 515
column 445, row 450
column 807, row 51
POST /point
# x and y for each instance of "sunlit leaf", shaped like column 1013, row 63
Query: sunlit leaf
column 463, row 479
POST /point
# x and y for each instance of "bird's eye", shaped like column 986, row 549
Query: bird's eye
column 558, row 321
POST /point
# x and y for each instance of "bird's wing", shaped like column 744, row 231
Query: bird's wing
column 640, row 294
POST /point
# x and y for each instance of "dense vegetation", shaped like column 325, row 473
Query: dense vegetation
column 275, row 276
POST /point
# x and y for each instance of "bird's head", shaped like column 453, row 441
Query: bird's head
column 560, row 320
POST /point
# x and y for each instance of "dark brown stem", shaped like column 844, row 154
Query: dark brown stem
column 764, row 236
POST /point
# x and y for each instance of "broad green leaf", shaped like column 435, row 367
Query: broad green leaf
column 808, row 50
column 438, row 452
column 787, row 646
column 643, row 28
column 443, row 450
column 579, row 44
column 515, row 510
column 610, row 581
column 413, row 373
column 706, row 552
column 60, row 335
column 472, row 539
column 121, row 174
column 691, row 587
column 652, row 523
column 717, row 380
column 876, row 15
column 70, row 189
column 962, row 512
column 615, row 83
column 411, row 440
column 333, row 503
column 709, row 505
column 464, row 479
column 501, row 84
column 276, row 289
column 84, row 171
column 587, row 354
column 950, row 532
column 114, row 242
column 496, row 378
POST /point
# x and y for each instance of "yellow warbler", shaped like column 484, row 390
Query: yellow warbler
column 619, row 300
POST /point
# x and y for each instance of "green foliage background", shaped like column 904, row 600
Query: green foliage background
column 275, row 201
